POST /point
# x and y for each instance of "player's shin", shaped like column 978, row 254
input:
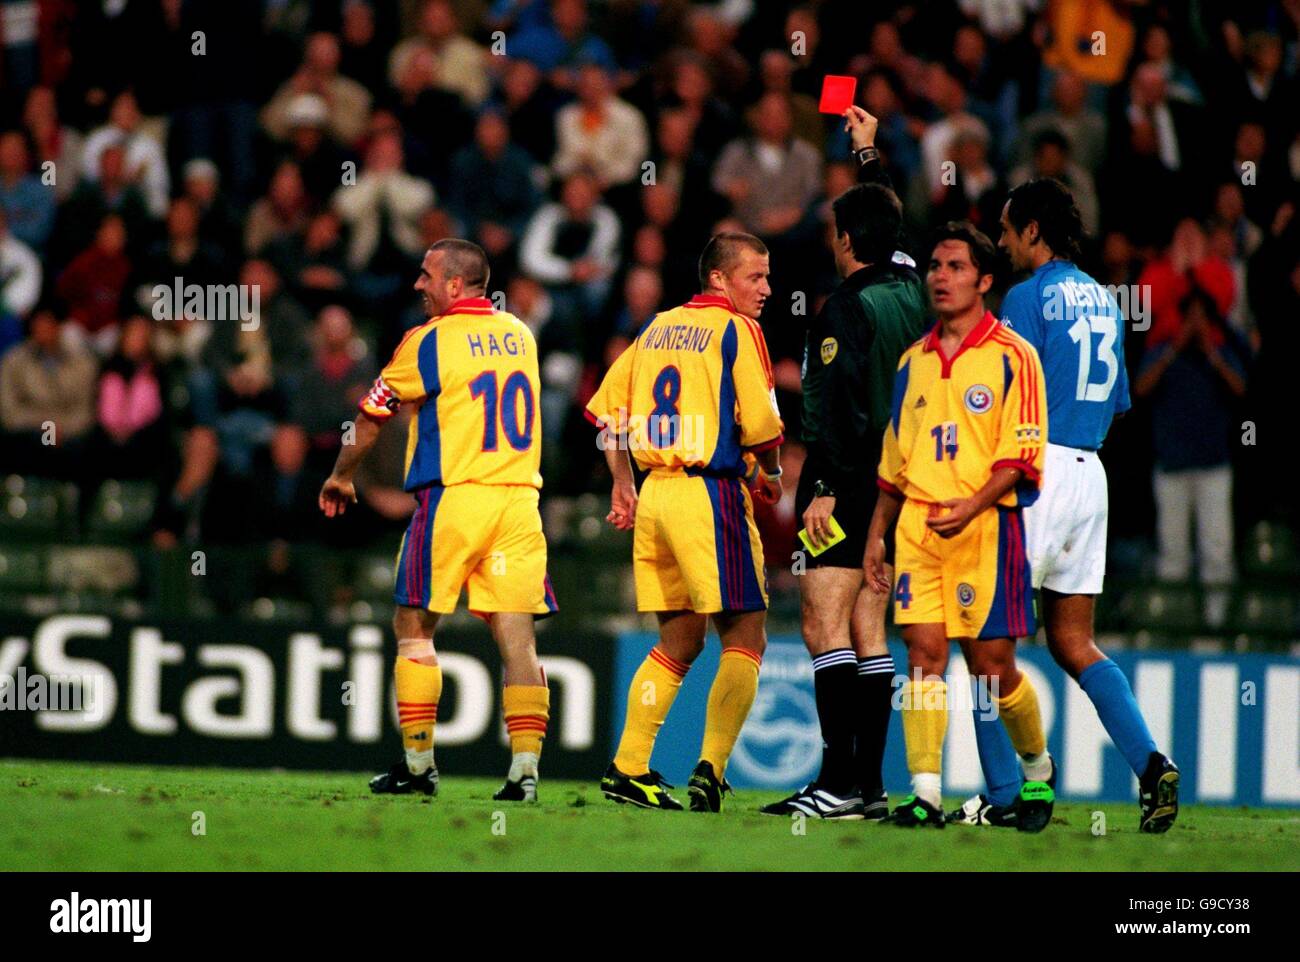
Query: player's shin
column 1112, row 696
column 527, row 711
column 997, row 755
column 652, row 692
column 730, row 699
column 1024, row 724
column 419, row 686
column 875, row 705
column 925, row 722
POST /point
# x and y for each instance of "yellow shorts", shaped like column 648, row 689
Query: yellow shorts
column 484, row 537
column 976, row 584
column 696, row 546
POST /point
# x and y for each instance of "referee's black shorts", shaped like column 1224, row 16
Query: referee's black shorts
column 853, row 510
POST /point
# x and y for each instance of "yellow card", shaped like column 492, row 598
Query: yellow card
column 837, row 535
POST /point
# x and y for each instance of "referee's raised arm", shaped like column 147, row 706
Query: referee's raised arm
column 861, row 128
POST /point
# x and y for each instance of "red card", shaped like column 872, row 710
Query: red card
column 837, row 94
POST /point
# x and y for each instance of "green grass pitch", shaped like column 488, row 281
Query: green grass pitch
column 91, row 817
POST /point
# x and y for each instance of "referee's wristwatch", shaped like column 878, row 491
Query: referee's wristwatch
column 866, row 155
column 823, row 490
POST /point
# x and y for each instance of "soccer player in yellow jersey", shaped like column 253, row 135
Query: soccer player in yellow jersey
column 692, row 399
column 472, row 458
column 963, row 454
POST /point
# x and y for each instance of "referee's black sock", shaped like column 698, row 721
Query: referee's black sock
column 875, row 690
column 834, row 681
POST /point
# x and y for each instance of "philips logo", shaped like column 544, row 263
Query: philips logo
column 96, row 916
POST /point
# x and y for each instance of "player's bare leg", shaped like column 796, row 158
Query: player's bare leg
column 418, row 681
column 629, row 778
column 992, row 661
column 925, row 722
column 744, row 639
column 874, row 704
column 1068, row 621
column 525, row 702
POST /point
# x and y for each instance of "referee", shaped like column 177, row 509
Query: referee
column 851, row 354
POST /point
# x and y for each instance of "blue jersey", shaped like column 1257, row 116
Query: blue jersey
column 1076, row 327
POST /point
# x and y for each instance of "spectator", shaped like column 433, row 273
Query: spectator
column 600, row 132
column 314, row 264
column 976, row 193
column 776, row 73
column 459, row 65
column 219, row 223
column 1193, row 379
column 282, row 213
column 134, row 438
column 691, row 90
column 643, row 297
column 382, row 211
column 557, row 48
column 347, row 103
column 530, row 108
column 93, row 286
column 1051, row 158
column 340, row 372
column 182, row 254
column 573, row 246
column 1083, row 127
column 769, row 177
column 47, row 401
column 145, row 164
column 1187, row 263
column 27, row 204
column 20, row 283
column 93, row 200
column 319, row 158
column 493, row 188
column 362, row 53
column 949, row 98
column 435, row 120
column 1158, row 49
column 54, row 142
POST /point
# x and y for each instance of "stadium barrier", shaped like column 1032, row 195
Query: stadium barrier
column 1232, row 722
column 248, row 694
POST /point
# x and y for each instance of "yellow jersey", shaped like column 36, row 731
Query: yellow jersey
column 694, row 391
column 954, row 421
column 473, row 374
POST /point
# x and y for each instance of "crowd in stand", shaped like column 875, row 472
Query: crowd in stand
column 313, row 150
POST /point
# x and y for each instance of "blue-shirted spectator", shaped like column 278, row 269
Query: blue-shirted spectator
column 28, row 205
column 1192, row 381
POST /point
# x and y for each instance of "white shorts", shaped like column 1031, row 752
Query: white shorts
column 1065, row 529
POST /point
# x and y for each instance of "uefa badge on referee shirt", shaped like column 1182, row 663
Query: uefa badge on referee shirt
column 829, row 349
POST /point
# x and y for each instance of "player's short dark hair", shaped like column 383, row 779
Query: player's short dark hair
column 1050, row 203
column 872, row 216
column 463, row 259
column 723, row 250
column 982, row 252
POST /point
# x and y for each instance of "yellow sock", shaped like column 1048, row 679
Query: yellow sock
column 527, row 710
column 1022, row 719
column 418, row 689
column 730, row 699
column 651, row 694
column 925, row 721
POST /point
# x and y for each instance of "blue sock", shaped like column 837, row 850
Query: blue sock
column 1118, row 710
column 997, row 758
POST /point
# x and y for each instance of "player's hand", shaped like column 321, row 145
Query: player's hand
column 335, row 496
column 860, row 126
column 622, row 506
column 958, row 514
column 766, row 488
column 874, row 569
column 817, row 520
